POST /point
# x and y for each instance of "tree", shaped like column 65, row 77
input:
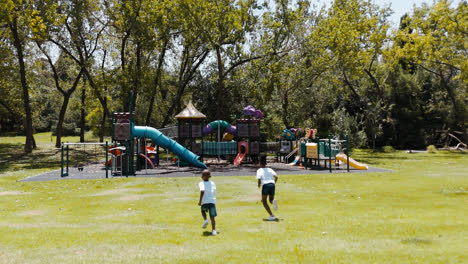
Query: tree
column 225, row 26
column 435, row 41
column 77, row 35
column 20, row 18
column 350, row 36
column 62, row 74
column 10, row 103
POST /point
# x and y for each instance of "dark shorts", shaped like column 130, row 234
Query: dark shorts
column 211, row 208
column 268, row 189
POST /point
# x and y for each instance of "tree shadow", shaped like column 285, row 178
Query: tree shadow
column 13, row 157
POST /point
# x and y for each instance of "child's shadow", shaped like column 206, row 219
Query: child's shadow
column 275, row 220
column 208, row 233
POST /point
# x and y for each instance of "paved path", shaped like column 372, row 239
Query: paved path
column 97, row 171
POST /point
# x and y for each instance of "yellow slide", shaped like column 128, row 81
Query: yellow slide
column 357, row 165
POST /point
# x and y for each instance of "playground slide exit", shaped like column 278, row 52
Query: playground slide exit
column 165, row 142
column 353, row 163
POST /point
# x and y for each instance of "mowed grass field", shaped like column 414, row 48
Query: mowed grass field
column 418, row 213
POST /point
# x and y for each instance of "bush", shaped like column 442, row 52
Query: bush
column 388, row 149
column 431, row 149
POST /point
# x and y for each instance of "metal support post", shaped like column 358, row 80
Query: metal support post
column 329, row 152
column 347, row 153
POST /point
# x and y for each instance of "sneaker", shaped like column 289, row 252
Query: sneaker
column 275, row 205
column 205, row 223
column 214, row 233
column 271, row 218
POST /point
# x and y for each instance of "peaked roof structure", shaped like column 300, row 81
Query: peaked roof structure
column 190, row 112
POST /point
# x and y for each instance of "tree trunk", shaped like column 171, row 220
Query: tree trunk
column 83, row 113
column 125, row 81
column 157, row 80
column 63, row 110
column 103, row 125
column 175, row 103
column 185, row 75
column 28, row 127
column 101, row 98
column 220, row 89
column 375, row 82
column 459, row 111
column 136, row 77
column 285, row 106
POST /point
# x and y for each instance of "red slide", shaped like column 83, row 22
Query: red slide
column 242, row 149
column 148, row 160
column 239, row 158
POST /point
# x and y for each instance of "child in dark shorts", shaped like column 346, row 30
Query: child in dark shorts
column 267, row 179
column 208, row 200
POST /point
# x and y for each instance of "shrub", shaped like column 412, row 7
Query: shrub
column 388, row 149
column 431, row 149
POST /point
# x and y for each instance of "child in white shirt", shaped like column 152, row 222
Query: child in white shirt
column 208, row 200
column 267, row 179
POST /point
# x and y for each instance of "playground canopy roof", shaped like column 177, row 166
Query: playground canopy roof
column 190, row 112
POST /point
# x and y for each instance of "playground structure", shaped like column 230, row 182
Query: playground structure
column 241, row 140
column 131, row 140
column 129, row 151
column 311, row 150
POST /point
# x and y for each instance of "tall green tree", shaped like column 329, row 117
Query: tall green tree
column 9, row 102
column 225, row 26
column 21, row 19
column 351, row 36
column 65, row 83
column 77, row 35
column 436, row 42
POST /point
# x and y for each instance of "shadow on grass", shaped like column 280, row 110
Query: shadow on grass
column 13, row 157
column 208, row 233
column 276, row 220
column 370, row 157
column 416, row 241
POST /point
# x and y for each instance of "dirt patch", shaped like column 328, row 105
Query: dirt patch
column 251, row 198
column 115, row 192
column 13, row 193
column 32, row 213
column 135, row 197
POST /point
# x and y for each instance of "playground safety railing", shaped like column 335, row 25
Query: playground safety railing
column 219, row 148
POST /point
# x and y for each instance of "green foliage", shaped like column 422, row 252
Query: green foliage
column 435, row 40
column 388, row 149
column 346, row 125
column 337, row 68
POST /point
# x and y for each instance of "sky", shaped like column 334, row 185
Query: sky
column 399, row 7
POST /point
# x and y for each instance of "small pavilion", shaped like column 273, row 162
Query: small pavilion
column 190, row 128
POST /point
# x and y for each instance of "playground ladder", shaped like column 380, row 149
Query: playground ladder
column 291, row 153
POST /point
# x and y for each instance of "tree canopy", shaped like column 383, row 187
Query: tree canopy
column 340, row 68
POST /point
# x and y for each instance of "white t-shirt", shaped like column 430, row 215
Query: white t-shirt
column 209, row 188
column 266, row 175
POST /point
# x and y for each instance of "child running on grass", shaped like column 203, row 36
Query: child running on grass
column 267, row 179
column 208, row 200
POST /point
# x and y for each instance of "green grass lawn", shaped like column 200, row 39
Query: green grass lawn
column 416, row 214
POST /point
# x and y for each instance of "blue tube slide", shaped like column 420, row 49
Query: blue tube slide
column 165, row 142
